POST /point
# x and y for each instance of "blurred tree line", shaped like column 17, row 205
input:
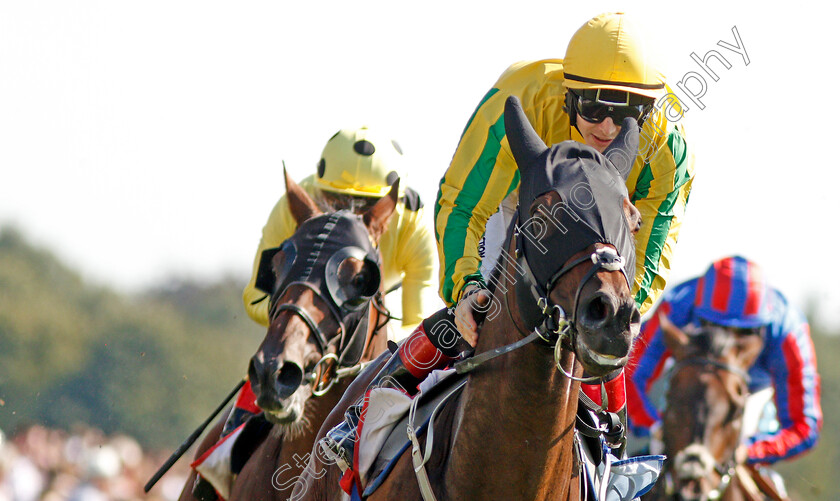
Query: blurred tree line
column 156, row 364
column 152, row 365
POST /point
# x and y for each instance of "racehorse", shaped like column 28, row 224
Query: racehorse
column 702, row 420
column 326, row 320
column 509, row 434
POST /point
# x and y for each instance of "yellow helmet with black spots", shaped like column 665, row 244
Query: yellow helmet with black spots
column 359, row 162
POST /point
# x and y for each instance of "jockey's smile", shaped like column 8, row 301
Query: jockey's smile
column 598, row 135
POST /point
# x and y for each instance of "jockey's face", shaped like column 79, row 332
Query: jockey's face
column 598, row 135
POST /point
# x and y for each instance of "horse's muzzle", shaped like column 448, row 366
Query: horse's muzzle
column 605, row 331
column 273, row 382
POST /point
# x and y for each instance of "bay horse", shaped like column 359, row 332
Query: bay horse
column 510, row 432
column 326, row 321
column 702, row 420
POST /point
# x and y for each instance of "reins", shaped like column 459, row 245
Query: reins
column 704, row 362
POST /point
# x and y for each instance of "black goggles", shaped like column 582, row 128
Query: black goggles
column 596, row 111
column 738, row 331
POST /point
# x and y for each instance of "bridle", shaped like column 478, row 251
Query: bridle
column 340, row 357
column 313, row 257
column 725, row 469
column 550, row 323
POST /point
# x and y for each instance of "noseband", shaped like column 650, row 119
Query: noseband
column 324, row 343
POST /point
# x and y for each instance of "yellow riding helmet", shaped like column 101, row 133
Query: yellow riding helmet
column 608, row 52
column 359, row 162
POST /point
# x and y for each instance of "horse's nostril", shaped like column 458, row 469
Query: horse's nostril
column 253, row 375
column 597, row 311
column 289, row 378
column 635, row 321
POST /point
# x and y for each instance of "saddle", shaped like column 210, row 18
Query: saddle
column 604, row 477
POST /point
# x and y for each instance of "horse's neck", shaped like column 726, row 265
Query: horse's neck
column 517, row 422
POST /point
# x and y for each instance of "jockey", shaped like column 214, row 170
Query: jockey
column 356, row 169
column 732, row 293
column 605, row 76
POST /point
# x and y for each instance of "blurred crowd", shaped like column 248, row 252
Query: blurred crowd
column 84, row 464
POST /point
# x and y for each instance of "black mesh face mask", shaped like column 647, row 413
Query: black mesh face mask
column 590, row 211
column 592, row 191
column 317, row 255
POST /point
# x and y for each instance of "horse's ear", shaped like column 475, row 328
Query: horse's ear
column 624, row 148
column 301, row 204
column 675, row 339
column 377, row 217
column 525, row 144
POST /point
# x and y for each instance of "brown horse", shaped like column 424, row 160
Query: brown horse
column 702, row 420
column 509, row 434
column 326, row 320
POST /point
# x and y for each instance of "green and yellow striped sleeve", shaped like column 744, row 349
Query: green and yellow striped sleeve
column 478, row 179
column 659, row 187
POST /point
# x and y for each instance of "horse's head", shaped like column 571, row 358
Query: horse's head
column 705, row 403
column 575, row 241
column 323, row 281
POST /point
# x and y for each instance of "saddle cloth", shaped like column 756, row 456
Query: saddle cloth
column 219, row 464
column 614, row 479
column 382, row 435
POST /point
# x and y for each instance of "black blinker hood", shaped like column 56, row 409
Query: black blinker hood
column 315, row 242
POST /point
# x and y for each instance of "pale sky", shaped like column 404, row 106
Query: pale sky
column 144, row 139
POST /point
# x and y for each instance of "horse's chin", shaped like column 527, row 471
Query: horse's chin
column 283, row 416
column 289, row 411
column 597, row 364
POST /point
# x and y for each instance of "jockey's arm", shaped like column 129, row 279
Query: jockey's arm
column 280, row 226
column 791, row 361
column 659, row 185
column 415, row 255
column 649, row 354
column 481, row 175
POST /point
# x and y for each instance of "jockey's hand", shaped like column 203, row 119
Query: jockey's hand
column 465, row 312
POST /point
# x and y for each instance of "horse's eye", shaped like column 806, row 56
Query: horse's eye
column 360, row 280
